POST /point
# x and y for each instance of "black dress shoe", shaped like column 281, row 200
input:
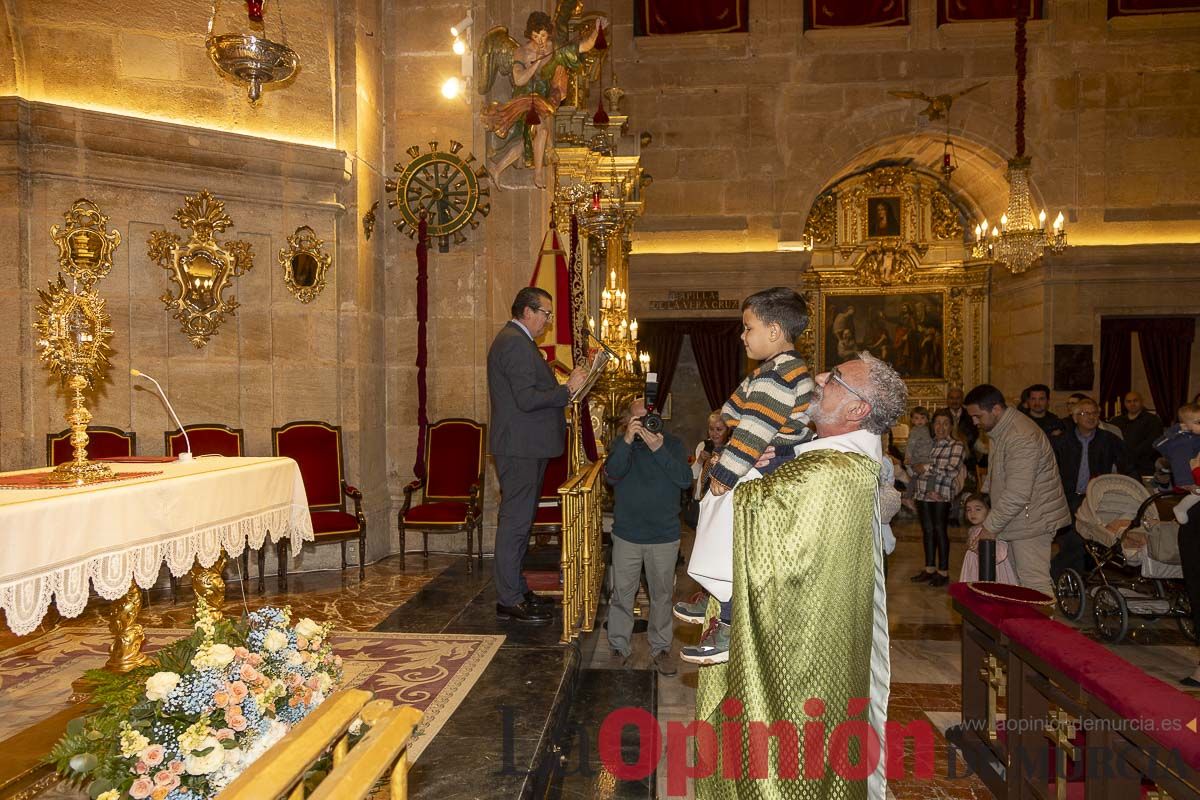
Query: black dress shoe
column 922, row 577
column 523, row 612
column 537, row 601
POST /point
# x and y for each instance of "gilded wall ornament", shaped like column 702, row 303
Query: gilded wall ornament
column 368, row 221
column 884, row 265
column 85, row 245
column 945, row 221
column 444, row 186
column 821, row 225
column 304, row 264
column 201, row 269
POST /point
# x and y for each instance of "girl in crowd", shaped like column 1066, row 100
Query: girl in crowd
column 977, row 511
column 935, row 487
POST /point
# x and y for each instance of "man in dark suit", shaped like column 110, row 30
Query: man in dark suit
column 528, row 428
column 962, row 421
column 1084, row 452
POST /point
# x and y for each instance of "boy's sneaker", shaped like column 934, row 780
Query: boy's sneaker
column 713, row 648
column 693, row 612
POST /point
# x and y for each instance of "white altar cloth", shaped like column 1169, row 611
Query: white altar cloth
column 54, row 542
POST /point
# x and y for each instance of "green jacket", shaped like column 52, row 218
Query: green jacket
column 646, row 489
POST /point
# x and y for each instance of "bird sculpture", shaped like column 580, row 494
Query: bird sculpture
column 939, row 105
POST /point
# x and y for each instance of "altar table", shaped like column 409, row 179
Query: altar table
column 55, row 542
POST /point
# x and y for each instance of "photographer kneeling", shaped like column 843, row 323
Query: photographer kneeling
column 647, row 470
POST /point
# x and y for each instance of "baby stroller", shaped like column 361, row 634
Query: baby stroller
column 1137, row 572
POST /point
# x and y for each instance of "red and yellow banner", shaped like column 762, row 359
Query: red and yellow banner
column 550, row 273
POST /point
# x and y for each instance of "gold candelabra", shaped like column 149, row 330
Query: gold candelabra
column 618, row 331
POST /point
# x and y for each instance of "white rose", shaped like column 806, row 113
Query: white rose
column 295, row 659
column 232, row 756
column 324, row 682
column 220, row 655
column 274, row 640
column 308, row 629
column 160, row 684
column 209, row 762
column 111, row 794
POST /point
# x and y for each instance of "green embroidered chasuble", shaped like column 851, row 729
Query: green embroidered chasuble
column 804, row 616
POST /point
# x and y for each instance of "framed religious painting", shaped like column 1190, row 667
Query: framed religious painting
column 883, row 216
column 903, row 328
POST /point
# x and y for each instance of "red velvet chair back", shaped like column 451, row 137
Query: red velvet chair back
column 557, row 472
column 207, row 439
column 317, row 448
column 454, row 453
column 103, row 442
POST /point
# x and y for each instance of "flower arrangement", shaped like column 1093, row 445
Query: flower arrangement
column 207, row 706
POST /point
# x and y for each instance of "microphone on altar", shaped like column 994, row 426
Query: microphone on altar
column 187, row 454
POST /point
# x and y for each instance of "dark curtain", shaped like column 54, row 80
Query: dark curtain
column 662, row 339
column 1166, row 345
column 975, row 10
column 1133, row 8
column 665, row 17
column 720, row 358
column 854, row 13
column 1116, row 363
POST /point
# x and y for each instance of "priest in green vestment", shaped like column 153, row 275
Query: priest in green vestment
column 799, row 709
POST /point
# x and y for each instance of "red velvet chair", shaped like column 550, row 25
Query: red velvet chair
column 103, row 442
column 452, row 496
column 317, row 448
column 549, row 520
column 208, row 439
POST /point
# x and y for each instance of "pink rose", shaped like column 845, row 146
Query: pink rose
column 238, row 723
column 142, row 788
column 176, row 767
column 294, row 679
column 301, row 642
column 152, row 755
column 254, row 659
column 313, row 683
column 337, row 661
column 241, row 652
column 166, row 778
column 238, row 691
column 140, row 766
column 221, row 698
column 223, row 734
column 248, row 673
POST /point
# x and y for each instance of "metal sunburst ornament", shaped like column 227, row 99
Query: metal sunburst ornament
column 73, row 335
column 443, row 186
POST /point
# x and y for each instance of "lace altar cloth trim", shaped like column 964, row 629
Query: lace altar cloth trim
column 41, row 480
column 26, row 601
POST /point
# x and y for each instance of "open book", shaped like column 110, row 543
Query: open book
column 599, row 361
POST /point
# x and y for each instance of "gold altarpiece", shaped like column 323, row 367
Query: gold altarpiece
column 890, row 275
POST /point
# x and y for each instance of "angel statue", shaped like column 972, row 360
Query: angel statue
column 539, row 72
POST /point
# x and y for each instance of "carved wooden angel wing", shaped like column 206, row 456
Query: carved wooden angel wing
column 495, row 57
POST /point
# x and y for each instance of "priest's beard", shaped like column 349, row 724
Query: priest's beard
column 825, row 416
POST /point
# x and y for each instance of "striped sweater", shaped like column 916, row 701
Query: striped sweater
column 767, row 409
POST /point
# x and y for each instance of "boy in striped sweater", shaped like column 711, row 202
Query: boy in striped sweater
column 767, row 410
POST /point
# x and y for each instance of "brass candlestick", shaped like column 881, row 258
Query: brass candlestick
column 73, row 335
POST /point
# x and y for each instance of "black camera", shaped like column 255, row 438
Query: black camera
column 652, row 421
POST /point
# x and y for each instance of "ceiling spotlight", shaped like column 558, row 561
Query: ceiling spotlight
column 452, row 88
column 460, row 46
column 461, row 27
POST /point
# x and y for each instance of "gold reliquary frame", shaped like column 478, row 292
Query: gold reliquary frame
column 201, row 270
column 85, row 245
column 304, row 264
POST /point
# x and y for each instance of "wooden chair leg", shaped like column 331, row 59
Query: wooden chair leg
column 400, row 523
column 246, row 566
column 470, row 540
column 174, row 587
column 262, row 569
column 479, row 532
column 343, row 555
column 282, row 550
column 425, row 548
column 362, row 555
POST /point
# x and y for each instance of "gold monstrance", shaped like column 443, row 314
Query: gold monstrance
column 73, row 335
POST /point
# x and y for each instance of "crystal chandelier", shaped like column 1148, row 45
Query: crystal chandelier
column 1020, row 241
column 253, row 60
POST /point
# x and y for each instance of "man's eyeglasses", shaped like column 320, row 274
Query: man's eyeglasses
column 836, row 377
column 545, row 311
column 1088, row 414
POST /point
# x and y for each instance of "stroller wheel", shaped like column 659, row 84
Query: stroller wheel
column 1187, row 623
column 1071, row 595
column 1111, row 614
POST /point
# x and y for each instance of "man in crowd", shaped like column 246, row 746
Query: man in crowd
column 1141, row 428
column 1028, row 505
column 1084, row 452
column 1038, row 410
column 962, row 423
column 808, row 536
column 528, row 428
column 647, row 471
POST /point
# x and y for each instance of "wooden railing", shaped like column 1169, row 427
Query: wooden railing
column 281, row 771
column 582, row 561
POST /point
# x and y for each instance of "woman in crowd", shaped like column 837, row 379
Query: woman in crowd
column 935, row 487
